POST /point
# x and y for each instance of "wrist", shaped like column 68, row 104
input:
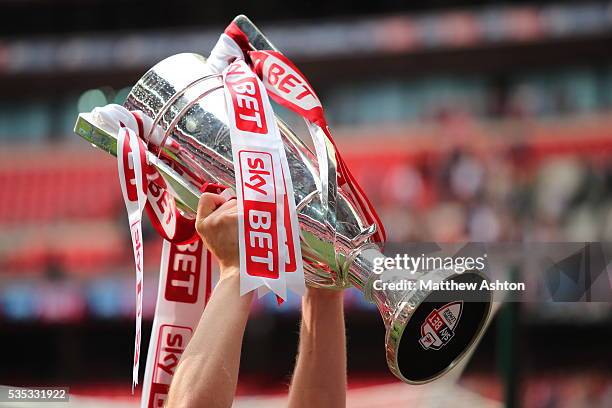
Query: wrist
column 321, row 293
column 229, row 271
column 322, row 299
column 229, row 283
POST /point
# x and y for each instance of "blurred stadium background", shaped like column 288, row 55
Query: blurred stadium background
column 463, row 120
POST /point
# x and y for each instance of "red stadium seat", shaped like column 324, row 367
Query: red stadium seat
column 49, row 186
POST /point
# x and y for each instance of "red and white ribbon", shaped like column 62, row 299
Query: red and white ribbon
column 267, row 222
column 186, row 280
column 131, row 160
column 187, row 273
column 287, row 86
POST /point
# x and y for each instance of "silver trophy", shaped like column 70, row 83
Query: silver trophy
column 428, row 332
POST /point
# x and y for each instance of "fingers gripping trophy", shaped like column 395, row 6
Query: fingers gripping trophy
column 195, row 124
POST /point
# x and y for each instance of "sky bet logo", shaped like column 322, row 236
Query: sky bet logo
column 246, row 97
column 184, row 268
column 259, row 198
column 170, row 346
column 286, row 81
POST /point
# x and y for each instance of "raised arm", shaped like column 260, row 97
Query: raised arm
column 208, row 371
column 319, row 378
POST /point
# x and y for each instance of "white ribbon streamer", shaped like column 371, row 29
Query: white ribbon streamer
column 131, row 152
column 188, row 272
column 263, row 187
column 186, row 280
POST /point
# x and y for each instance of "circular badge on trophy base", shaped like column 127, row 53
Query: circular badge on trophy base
column 442, row 329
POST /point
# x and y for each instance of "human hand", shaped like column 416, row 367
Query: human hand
column 217, row 225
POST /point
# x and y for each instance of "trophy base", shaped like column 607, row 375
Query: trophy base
column 439, row 332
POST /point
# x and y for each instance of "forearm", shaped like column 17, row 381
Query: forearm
column 319, row 379
column 208, row 371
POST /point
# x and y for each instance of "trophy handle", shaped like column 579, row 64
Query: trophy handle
column 257, row 39
column 186, row 195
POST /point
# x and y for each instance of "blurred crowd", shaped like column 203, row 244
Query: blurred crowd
column 481, row 198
